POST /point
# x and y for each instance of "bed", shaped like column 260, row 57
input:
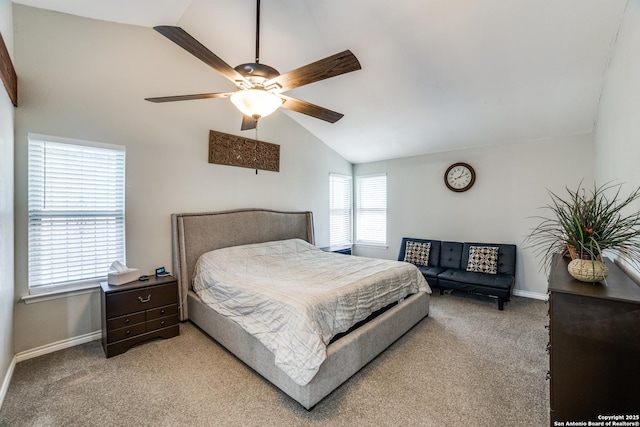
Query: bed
column 196, row 234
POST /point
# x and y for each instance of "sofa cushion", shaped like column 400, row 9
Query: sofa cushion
column 434, row 253
column 429, row 271
column 417, row 253
column 483, row 259
column 450, row 254
column 500, row 281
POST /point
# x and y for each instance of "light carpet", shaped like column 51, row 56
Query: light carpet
column 467, row 364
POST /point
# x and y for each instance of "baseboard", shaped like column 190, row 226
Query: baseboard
column 529, row 294
column 60, row 345
column 7, row 380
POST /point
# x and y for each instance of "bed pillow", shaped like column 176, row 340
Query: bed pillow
column 417, row 253
column 483, row 259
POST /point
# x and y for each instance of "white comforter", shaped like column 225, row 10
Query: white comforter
column 294, row 297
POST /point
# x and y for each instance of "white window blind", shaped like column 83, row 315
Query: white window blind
column 371, row 209
column 339, row 209
column 76, row 211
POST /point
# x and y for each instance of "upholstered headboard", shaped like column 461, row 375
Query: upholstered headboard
column 193, row 234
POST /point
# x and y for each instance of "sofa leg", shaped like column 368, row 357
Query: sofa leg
column 500, row 303
column 441, row 291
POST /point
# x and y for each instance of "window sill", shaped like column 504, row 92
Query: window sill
column 372, row 245
column 85, row 288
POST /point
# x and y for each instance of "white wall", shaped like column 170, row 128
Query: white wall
column 617, row 133
column 7, row 114
column 87, row 79
column 511, row 183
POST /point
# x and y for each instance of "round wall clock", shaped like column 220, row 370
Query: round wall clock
column 459, row 177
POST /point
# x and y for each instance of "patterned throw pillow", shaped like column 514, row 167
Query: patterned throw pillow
column 417, row 253
column 483, row 259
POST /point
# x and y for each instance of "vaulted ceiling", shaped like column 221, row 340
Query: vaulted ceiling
column 437, row 75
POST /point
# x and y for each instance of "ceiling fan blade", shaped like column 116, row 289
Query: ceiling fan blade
column 309, row 109
column 188, row 97
column 248, row 123
column 340, row 63
column 197, row 49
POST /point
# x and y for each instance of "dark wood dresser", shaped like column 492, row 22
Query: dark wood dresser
column 138, row 311
column 594, row 347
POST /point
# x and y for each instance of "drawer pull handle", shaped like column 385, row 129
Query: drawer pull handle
column 162, row 323
column 161, row 311
column 127, row 320
column 147, row 299
column 127, row 332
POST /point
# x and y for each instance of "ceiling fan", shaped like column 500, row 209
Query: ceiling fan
column 261, row 87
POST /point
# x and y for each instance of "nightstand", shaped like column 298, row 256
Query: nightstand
column 138, row 311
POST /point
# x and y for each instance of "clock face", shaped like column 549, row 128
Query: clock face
column 459, row 177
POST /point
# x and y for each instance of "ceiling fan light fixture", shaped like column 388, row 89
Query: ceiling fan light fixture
column 256, row 103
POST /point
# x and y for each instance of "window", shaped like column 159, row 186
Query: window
column 339, row 209
column 76, row 211
column 371, row 210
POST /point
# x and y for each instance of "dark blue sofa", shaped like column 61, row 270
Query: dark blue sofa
column 447, row 268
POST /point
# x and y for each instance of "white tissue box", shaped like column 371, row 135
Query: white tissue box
column 121, row 278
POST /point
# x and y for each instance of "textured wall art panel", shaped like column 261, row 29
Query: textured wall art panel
column 8, row 73
column 232, row 150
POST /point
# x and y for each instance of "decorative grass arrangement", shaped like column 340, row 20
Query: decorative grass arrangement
column 589, row 223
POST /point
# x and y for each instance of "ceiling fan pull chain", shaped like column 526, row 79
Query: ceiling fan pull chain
column 255, row 149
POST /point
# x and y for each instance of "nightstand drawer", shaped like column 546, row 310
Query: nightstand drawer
column 131, row 331
column 162, row 322
column 124, row 321
column 167, row 310
column 120, row 303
